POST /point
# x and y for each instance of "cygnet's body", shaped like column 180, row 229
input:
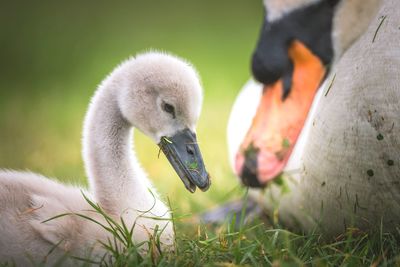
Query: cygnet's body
column 154, row 92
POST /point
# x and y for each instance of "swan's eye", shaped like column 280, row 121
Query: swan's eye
column 168, row 108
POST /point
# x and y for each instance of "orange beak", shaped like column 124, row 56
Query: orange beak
column 278, row 122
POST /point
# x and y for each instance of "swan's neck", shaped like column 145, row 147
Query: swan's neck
column 116, row 179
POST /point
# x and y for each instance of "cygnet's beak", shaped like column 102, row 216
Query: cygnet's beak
column 184, row 154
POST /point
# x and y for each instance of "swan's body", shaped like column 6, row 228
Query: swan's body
column 134, row 94
column 344, row 169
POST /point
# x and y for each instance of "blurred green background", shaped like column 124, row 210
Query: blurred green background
column 53, row 54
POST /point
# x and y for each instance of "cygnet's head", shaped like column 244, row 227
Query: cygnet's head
column 161, row 96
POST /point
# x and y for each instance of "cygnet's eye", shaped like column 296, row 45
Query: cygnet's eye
column 168, row 108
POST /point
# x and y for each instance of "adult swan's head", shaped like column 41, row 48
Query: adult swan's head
column 340, row 165
column 299, row 41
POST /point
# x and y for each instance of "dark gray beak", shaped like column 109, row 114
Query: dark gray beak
column 183, row 153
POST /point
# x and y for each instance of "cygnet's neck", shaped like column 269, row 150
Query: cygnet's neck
column 116, row 179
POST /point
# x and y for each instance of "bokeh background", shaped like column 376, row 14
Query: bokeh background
column 53, row 54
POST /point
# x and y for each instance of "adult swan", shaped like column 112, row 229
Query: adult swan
column 154, row 92
column 343, row 167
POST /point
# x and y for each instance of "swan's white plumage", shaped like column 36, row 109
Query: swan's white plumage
column 332, row 184
column 242, row 113
column 130, row 96
column 276, row 9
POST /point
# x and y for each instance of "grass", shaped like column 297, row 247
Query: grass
column 254, row 244
column 260, row 245
column 54, row 55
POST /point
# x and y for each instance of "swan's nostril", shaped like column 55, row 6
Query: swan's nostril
column 190, row 149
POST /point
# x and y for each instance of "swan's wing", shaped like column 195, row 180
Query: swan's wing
column 27, row 200
column 53, row 221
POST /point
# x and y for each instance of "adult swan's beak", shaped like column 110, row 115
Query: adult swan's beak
column 184, row 154
column 279, row 119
